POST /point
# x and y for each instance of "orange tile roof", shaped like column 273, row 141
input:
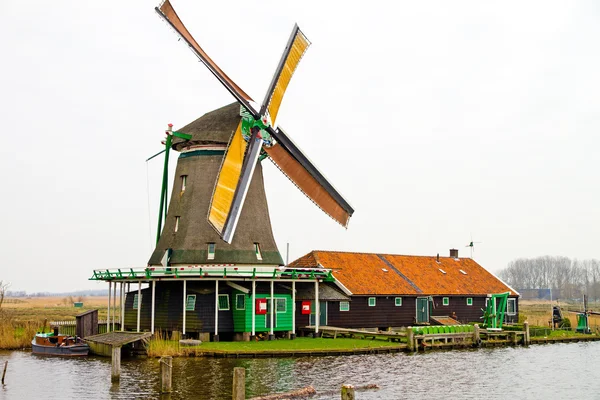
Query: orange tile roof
column 388, row 274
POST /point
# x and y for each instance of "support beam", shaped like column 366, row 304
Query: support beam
column 108, row 309
column 114, row 316
column 153, row 307
column 293, row 310
column 123, row 298
column 253, row 305
column 184, row 303
column 317, row 309
column 272, row 312
column 115, row 370
column 139, row 305
column 216, row 338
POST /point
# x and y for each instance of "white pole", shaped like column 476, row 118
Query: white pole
column 123, row 306
column 253, row 305
column 287, row 254
column 114, row 305
column 184, row 302
column 108, row 310
column 551, row 310
column 317, row 308
column 294, row 308
column 272, row 310
column 216, row 308
column 153, row 306
column 139, row 305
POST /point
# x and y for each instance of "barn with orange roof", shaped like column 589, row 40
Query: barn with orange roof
column 374, row 290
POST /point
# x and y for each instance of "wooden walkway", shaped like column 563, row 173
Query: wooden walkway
column 334, row 332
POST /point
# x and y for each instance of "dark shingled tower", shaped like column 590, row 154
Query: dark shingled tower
column 200, row 160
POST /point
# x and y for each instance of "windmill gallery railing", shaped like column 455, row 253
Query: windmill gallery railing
column 231, row 272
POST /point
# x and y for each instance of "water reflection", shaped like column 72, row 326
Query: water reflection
column 550, row 371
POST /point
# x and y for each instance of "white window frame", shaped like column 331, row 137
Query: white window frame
column 514, row 301
column 277, row 302
column 445, row 301
column 187, row 302
column 210, row 255
column 237, row 296
column 469, row 300
column 374, row 301
column 257, row 251
column 219, row 300
column 398, row 301
column 183, row 183
column 136, row 301
column 347, row 306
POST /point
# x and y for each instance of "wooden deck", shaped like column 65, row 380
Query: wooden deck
column 103, row 343
column 334, row 332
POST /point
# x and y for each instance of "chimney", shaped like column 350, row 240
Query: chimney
column 454, row 253
column 437, row 259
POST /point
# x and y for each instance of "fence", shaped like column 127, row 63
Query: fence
column 69, row 327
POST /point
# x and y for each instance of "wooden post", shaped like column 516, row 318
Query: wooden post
column 317, row 310
column 239, row 384
column 272, row 312
column 293, row 310
column 153, row 307
column 114, row 306
column 139, row 305
column 115, row 371
column 166, row 372
column 4, row 372
column 526, row 337
column 122, row 305
column 476, row 337
column 348, row 392
column 108, row 309
column 184, row 303
column 410, row 337
column 216, row 338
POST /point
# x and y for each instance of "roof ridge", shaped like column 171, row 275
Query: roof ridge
column 389, row 254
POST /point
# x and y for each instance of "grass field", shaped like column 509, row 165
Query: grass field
column 52, row 308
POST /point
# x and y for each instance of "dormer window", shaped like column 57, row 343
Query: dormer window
column 257, row 251
column 211, row 251
column 183, row 183
column 176, row 224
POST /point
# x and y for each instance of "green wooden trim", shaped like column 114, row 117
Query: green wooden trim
column 197, row 153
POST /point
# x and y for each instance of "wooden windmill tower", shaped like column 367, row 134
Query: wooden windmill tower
column 216, row 268
column 218, row 211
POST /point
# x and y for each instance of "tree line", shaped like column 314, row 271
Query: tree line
column 568, row 278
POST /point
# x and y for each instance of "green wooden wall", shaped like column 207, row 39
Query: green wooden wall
column 242, row 318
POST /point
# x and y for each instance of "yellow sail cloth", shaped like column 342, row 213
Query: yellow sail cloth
column 227, row 181
column 299, row 46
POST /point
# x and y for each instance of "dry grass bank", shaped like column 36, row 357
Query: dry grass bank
column 538, row 312
column 52, row 308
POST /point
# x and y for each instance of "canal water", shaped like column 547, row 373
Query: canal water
column 557, row 371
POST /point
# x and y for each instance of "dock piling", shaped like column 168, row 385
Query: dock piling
column 239, row 384
column 115, row 371
column 4, row 372
column 476, row 336
column 166, row 373
column 348, row 392
column 526, row 337
column 410, row 338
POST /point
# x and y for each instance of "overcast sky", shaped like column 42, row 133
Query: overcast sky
column 436, row 120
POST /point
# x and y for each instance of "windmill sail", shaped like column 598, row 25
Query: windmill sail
column 167, row 12
column 295, row 49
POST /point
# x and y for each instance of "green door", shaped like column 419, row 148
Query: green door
column 322, row 313
column 422, row 310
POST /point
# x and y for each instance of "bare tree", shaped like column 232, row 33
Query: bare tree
column 3, row 288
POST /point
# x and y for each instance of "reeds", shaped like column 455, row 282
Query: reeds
column 17, row 334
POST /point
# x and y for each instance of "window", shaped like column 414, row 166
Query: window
column 240, row 301
column 280, row 305
column 257, row 251
column 344, row 306
column 136, row 301
column 511, row 306
column 211, row 251
column 445, row 301
column 462, row 272
column 469, row 301
column 372, row 301
column 398, row 301
column 223, row 302
column 183, row 183
column 176, row 224
column 442, row 271
column 190, row 304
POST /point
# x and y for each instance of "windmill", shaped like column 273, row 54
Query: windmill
column 472, row 245
column 235, row 165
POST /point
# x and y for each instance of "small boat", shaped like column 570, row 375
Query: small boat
column 53, row 344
